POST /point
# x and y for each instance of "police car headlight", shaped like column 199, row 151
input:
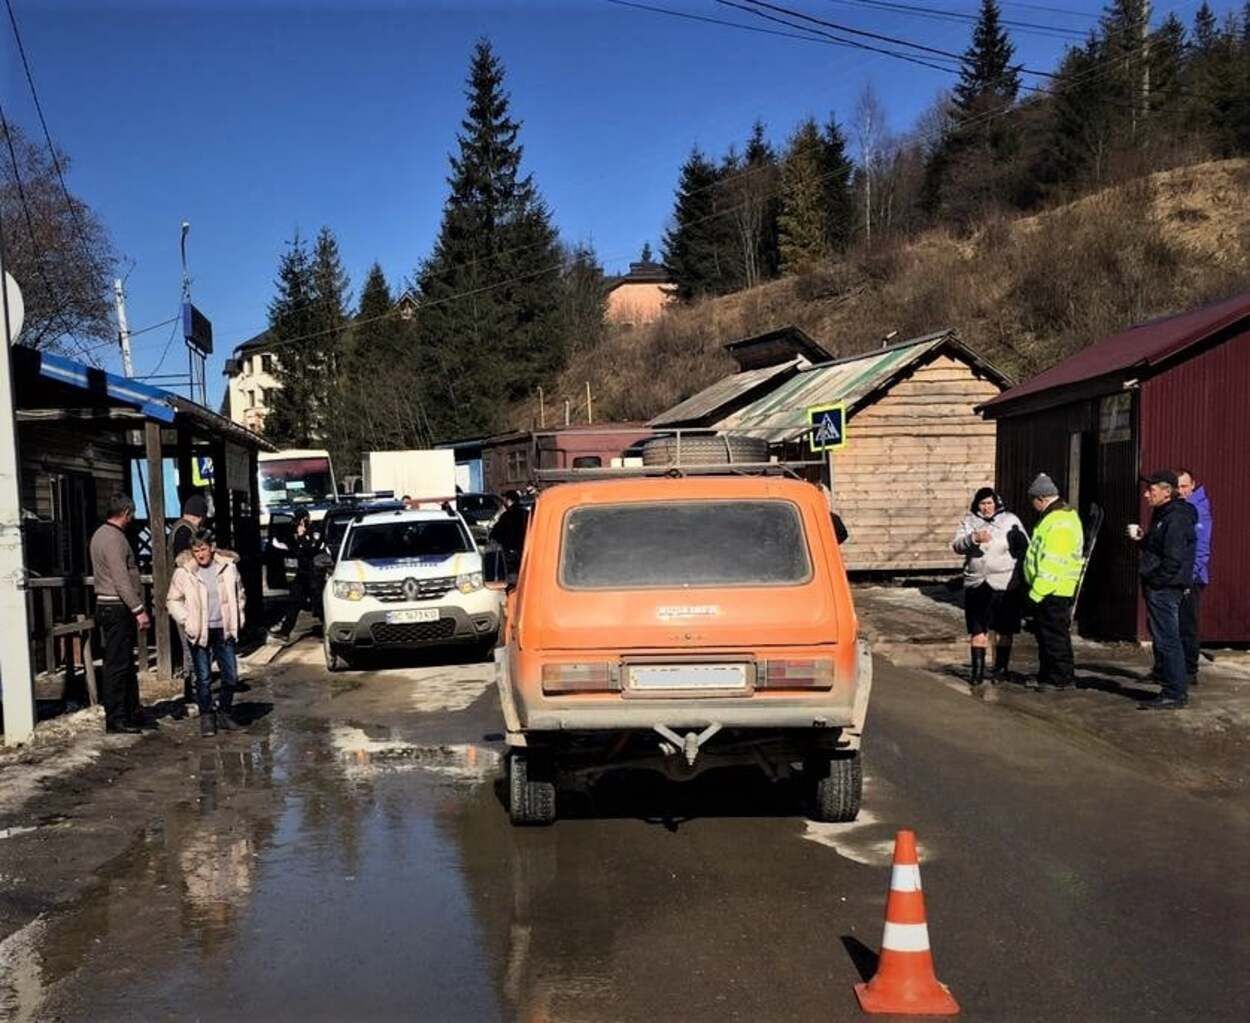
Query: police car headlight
column 349, row 591
column 469, row 582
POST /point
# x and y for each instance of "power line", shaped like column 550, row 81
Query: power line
column 942, row 14
column 56, row 162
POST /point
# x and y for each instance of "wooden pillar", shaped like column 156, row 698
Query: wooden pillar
column 185, row 475
column 160, row 549
column 223, row 517
column 254, row 559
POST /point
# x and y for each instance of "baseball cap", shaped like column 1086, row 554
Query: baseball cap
column 1163, row 476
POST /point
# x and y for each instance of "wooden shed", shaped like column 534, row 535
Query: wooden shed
column 1170, row 393
column 915, row 451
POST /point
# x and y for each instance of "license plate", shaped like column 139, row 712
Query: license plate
column 687, row 676
column 408, row 617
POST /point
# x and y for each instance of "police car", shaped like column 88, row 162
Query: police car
column 406, row 579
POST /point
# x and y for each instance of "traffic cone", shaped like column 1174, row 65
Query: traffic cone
column 905, row 983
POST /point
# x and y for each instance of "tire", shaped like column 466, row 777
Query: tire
column 335, row 661
column 703, row 449
column 530, row 801
column 837, row 786
column 484, row 650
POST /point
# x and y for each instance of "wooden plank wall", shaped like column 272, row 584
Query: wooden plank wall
column 912, row 462
column 48, row 449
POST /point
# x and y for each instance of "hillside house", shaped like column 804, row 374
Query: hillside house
column 916, row 449
column 640, row 296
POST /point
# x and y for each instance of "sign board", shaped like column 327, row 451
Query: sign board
column 197, row 329
column 828, row 427
column 202, row 471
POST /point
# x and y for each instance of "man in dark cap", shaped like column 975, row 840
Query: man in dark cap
column 1166, row 567
column 194, row 512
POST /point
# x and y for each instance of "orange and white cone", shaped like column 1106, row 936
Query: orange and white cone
column 905, row 983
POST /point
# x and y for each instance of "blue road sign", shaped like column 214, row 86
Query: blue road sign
column 828, row 427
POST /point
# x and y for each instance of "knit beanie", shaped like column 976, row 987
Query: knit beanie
column 1043, row 486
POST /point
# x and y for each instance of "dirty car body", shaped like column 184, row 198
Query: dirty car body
column 683, row 623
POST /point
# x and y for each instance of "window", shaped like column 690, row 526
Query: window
column 260, row 397
column 426, row 538
column 251, row 399
column 684, row 544
column 587, row 462
column 518, row 464
column 266, row 363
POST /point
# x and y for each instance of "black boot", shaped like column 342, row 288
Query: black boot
column 978, row 666
column 208, row 724
column 1002, row 658
column 226, row 723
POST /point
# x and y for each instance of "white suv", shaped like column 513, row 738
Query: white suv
column 407, row 579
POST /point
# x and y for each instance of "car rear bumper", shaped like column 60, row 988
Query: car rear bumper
column 773, row 713
column 454, row 625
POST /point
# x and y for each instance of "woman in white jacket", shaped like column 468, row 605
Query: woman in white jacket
column 992, row 541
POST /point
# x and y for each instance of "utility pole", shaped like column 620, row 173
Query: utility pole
column 542, row 410
column 123, row 331
column 16, row 671
column 590, row 412
column 1143, row 30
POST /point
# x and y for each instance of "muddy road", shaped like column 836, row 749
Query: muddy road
column 349, row 858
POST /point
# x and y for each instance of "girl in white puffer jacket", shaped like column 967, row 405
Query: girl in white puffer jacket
column 992, row 541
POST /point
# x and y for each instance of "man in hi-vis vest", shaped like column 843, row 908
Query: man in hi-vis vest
column 1052, row 568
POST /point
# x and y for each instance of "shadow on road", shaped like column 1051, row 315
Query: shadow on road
column 862, row 957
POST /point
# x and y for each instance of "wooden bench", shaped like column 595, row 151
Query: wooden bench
column 83, row 628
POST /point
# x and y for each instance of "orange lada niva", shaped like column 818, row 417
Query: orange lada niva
column 682, row 622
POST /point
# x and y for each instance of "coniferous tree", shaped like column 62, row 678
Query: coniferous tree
column 837, row 172
column 583, row 300
column 803, row 223
column 488, row 329
column 692, row 244
column 294, row 418
column 987, row 76
column 647, row 256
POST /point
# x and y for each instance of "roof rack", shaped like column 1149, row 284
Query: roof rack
column 635, row 471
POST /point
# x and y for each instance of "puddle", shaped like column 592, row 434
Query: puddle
column 363, row 756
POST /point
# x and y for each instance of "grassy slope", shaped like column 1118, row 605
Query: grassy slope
column 1024, row 293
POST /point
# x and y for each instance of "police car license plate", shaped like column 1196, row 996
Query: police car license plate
column 408, row 617
column 688, row 676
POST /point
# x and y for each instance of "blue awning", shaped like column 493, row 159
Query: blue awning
column 151, row 401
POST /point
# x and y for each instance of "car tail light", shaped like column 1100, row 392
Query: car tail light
column 810, row 674
column 582, row 677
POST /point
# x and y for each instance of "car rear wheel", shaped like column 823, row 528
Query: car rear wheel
column 531, row 792
column 837, row 785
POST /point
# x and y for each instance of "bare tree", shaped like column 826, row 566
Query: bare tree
column 869, row 138
column 55, row 248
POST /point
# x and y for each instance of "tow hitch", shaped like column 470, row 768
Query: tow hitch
column 689, row 744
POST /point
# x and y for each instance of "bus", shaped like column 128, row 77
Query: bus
column 295, row 479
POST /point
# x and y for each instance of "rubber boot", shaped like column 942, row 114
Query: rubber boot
column 978, row 666
column 1002, row 658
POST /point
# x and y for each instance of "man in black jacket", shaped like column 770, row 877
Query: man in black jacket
column 1166, row 566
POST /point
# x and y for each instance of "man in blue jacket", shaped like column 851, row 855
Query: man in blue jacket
column 1166, row 567
column 1191, row 603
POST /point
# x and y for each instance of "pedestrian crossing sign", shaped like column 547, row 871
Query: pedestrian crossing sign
column 828, row 427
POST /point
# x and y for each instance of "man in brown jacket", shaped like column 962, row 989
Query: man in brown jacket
column 120, row 613
column 206, row 599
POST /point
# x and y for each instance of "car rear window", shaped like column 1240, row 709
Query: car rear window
column 429, row 538
column 684, row 544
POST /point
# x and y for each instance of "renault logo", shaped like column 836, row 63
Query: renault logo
column 412, row 589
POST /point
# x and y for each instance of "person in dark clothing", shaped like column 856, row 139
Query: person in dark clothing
column 194, row 512
column 1166, row 567
column 120, row 614
column 305, row 546
column 509, row 530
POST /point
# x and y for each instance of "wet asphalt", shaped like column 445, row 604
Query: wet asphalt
column 349, row 857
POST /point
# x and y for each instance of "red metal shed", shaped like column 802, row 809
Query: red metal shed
column 1174, row 392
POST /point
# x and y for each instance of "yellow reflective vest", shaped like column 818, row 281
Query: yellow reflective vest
column 1052, row 565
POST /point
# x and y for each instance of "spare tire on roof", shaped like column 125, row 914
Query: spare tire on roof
column 704, row 449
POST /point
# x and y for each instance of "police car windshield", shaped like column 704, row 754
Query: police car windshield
column 427, row 538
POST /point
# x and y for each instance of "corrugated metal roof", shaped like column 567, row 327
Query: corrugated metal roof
column 781, row 414
column 710, row 399
column 1143, row 345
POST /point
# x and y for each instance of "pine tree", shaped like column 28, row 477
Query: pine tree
column 647, row 256
column 837, row 171
column 488, row 330
column 691, row 245
column 295, row 408
column 583, row 300
column 803, row 223
column 1206, row 29
column 987, row 77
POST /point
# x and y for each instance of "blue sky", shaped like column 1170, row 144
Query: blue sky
column 250, row 119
